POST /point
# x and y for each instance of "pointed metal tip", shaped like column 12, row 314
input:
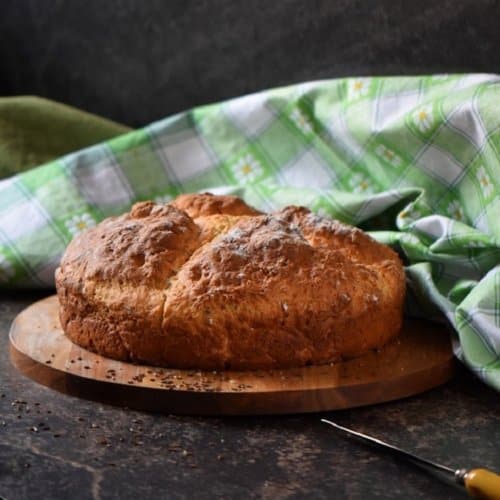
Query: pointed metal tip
column 328, row 421
column 333, row 424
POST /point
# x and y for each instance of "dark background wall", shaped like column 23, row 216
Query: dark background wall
column 136, row 61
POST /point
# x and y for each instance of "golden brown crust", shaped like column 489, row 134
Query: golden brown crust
column 196, row 205
column 189, row 285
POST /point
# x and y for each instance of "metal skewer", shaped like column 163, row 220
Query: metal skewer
column 395, row 449
column 479, row 483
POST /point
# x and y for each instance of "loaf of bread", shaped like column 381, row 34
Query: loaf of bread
column 207, row 282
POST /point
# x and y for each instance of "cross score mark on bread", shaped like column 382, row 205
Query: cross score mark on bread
column 208, row 282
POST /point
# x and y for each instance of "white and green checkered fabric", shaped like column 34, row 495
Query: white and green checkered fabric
column 414, row 160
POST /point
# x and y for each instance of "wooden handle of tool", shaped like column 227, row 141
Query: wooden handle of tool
column 482, row 483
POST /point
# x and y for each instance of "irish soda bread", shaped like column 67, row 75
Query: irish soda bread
column 208, row 282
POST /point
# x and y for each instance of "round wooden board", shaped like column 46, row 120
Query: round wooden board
column 419, row 360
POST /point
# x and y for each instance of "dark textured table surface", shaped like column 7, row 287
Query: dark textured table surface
column 57, row 446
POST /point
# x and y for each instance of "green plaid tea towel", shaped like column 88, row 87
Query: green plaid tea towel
column 413, row 160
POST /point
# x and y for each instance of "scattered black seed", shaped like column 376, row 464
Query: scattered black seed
column 103, row 441
column 27, row 465
column 220, row 457
column 72, row 361
column 81, row 419
column 48, row 362
column 79, row 358
column 86, row 367
column 2, row 395
column 37, row 404
column 52, row 355
column 56, row 435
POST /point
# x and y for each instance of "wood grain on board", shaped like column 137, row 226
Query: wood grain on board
column 419, row 360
